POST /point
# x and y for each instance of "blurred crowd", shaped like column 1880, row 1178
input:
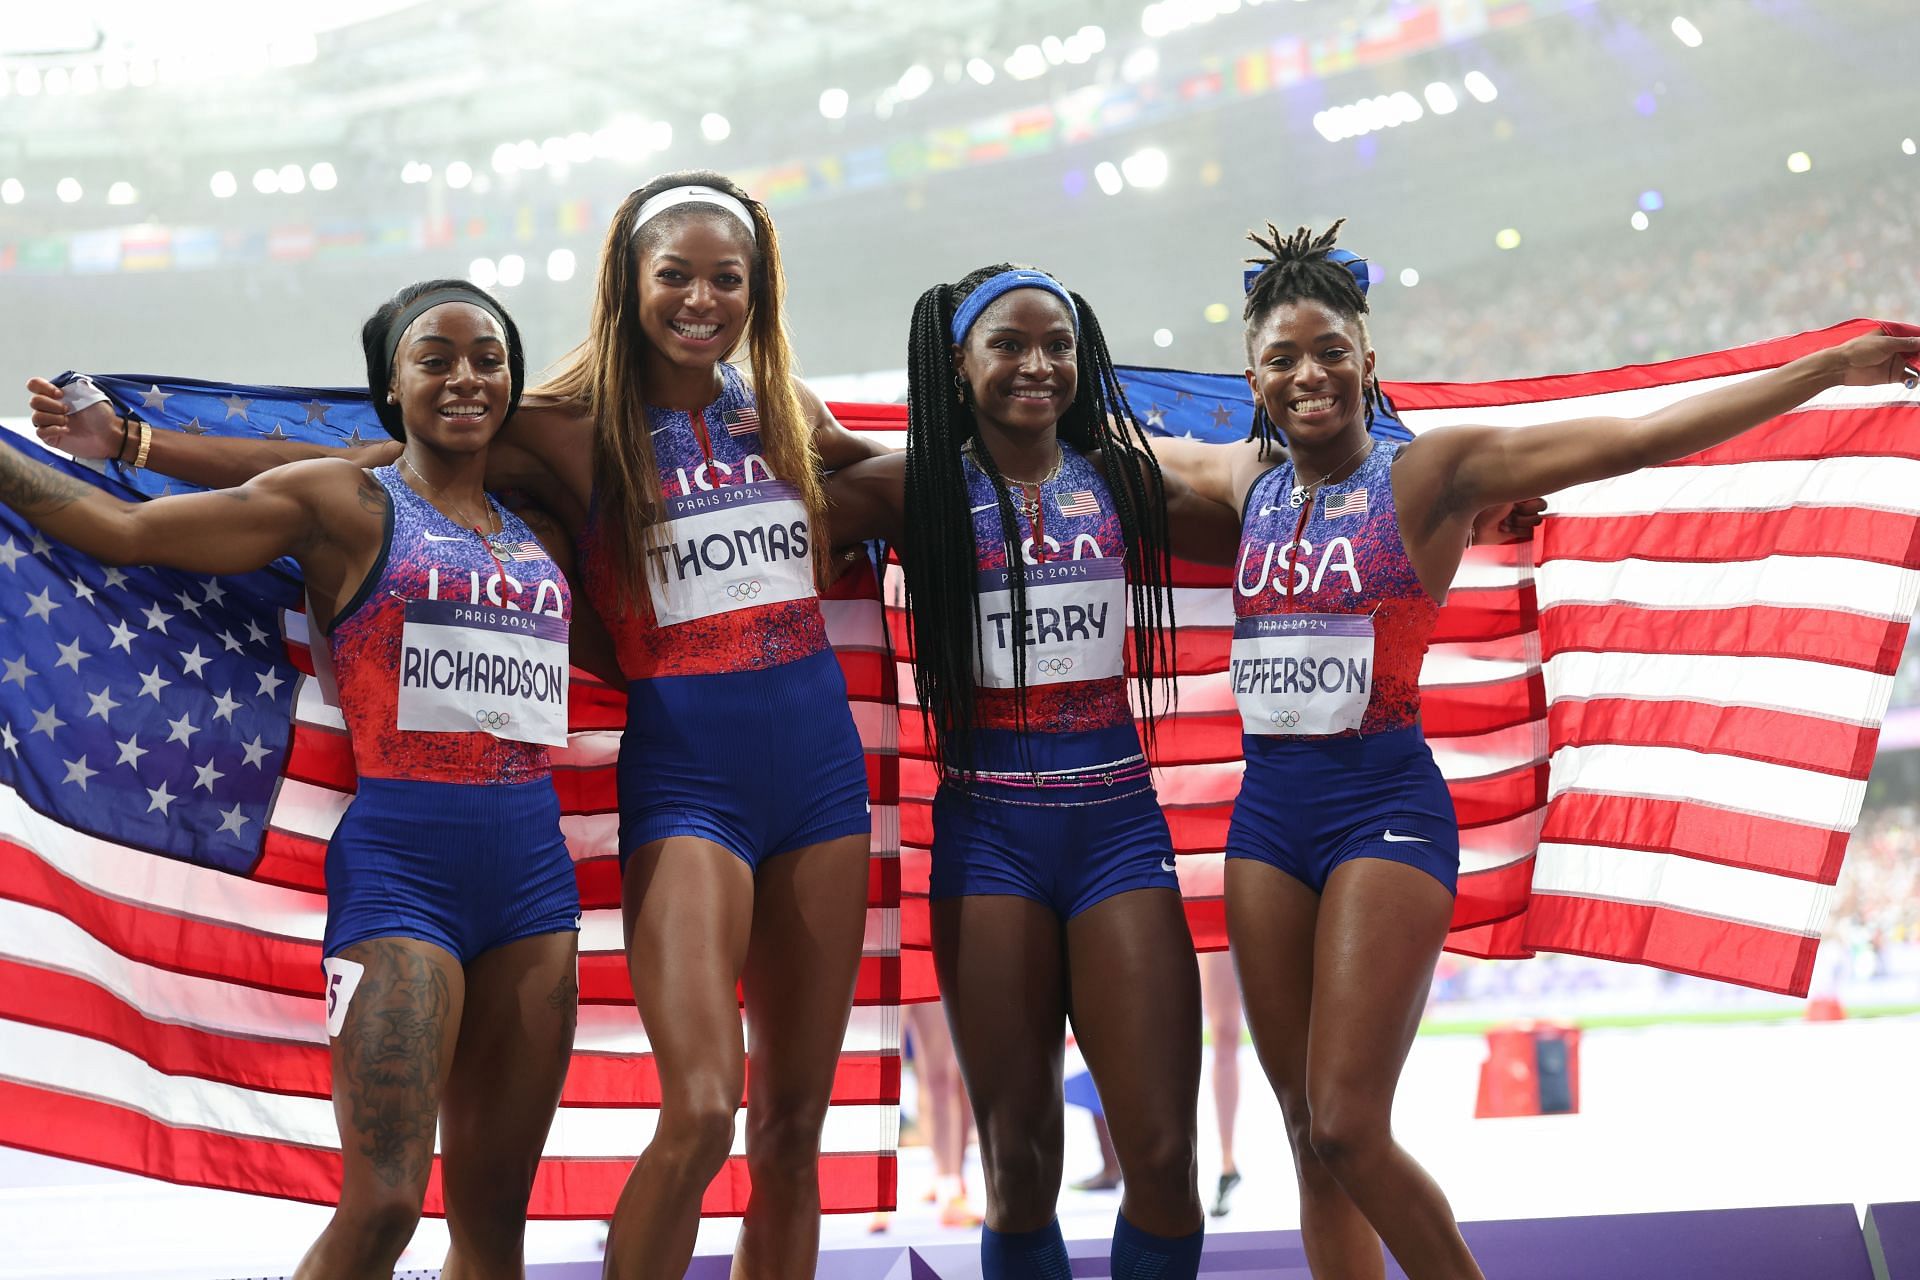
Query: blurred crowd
column 1696, row 280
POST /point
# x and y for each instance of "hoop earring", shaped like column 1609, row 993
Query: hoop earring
column 959, row 389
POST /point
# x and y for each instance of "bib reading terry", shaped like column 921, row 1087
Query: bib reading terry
column 1073, row 627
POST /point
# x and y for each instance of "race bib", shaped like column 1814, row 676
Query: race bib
column 474, row 666
column 1302, row 673
column 728, row 548
column 1075, row 624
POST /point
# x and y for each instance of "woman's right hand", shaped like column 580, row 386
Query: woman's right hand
column 94, row 432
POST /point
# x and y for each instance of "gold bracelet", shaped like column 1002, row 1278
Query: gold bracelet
column 146, row 442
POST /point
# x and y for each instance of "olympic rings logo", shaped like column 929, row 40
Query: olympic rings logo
column 492, row 719
column 1285, row 719
column 745, row 589
column 1056, row 666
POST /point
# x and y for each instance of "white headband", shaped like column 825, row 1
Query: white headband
column 657, row 205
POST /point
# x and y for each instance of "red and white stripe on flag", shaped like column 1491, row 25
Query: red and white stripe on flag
column 1658, row 740
column 168, row 1019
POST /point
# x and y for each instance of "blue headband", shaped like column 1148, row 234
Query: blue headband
column 992, row 288
column 1355, row 264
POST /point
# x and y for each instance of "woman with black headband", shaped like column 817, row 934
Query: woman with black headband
column 694, row 490
column 1032, row 525
column 1343, row 851
column 452, row 912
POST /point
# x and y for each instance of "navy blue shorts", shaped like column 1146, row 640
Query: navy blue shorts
column 1068, row 846
column 759, row 762
column 1308, row 805
column 466, row 867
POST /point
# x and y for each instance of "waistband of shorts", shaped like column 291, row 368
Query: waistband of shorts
column 1335, row 747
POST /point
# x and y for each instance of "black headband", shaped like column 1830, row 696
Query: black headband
column 427, row 302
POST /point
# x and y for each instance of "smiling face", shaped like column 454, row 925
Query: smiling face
column 694, row 270
column 1310, row 366
column 1020, row 362
column 451, row 377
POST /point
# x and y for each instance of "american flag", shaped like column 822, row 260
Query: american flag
column 169, row 775
column 1345, row 504
column 742, row 422
column 1658, row 739
column 1080, row 502
column 526, row 549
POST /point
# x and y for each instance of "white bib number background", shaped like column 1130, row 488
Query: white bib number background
column 467, row 667
column 1075, row 623
column 730, row 548
column 1302, row 673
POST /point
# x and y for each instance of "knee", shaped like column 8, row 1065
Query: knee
column 375, row 1227
column 1346, row 1136
column 696, row 1133
column 783, row 1138
column 1022, row 1176
column 1163, row 1165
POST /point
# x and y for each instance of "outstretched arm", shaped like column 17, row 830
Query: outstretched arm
column 213, row 462
column 836, row 446
column 867, row 500
column 228, row 531
column 1217, row 473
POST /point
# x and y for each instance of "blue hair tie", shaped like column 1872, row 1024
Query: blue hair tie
column 993, row 288
column 1355, row 264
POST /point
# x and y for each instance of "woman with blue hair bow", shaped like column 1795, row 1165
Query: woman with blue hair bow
column 1033, row 524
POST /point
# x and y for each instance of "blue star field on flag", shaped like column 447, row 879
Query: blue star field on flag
column 1208, row 406
column 144, row 706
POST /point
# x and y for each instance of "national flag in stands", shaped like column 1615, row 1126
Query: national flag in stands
column 1658, row 740
column 1338, row 505
column 742, row 422
column 1080, row 502
column 169, row 775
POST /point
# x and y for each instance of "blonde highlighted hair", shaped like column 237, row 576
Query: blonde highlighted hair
column 603, row 376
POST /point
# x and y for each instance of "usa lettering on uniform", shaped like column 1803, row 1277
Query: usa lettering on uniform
column 1337, row 557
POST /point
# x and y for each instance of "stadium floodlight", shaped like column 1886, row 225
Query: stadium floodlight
column 833, row 102
column 553, row 151
column 1640, row 221
column 578, row 147
column 322, row 177
column 55, row 82
column 6, row 83
column 1146, row 167
column 1142, row 64
column 1107, row 174
column 483, row 273
column 113, row 75
column 141, row 74
column 1026, row 62
column 1688, row 34
column 122, row 193
column 1163, row 337
column 68, row 190
column 527, row 154
column 293, row 179
column 266, row 181
column 1652, row 201
column 714, row 127
column 1799, row 162
column 86, row 79
column 1907, row 145
column 1480, row 87
column 659, row 135
column 504, row 158
column 1508, row 238
column 980, row 69
column 914, row 81
column 1409, row 277
column 1441, row 98
column 513, row 269
column 1216, row 313
column 1053, row 49
column 560, row 264
column 223, row 184
column 26, row 81
column 11, row 192
column 459, row 174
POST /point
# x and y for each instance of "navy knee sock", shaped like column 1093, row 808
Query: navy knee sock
column 1140, row 1256
column 1024, row 1255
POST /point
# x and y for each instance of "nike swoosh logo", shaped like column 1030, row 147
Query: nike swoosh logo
column 443, row 537
column 1166, row 864
column 991, row 506
column 1267, row 511
column 1392, row 837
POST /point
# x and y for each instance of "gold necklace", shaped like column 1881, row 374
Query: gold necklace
column 1300, row 492
column 1027, row 500
column 441, row 494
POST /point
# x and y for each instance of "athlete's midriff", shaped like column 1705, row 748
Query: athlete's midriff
column 1351, row 563
column 429, row 558
column 1073, row 640
column 734, row 534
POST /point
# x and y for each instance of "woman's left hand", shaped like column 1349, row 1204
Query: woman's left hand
column 1874, row 358
column 1512, row 523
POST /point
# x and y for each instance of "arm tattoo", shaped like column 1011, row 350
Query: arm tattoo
column 34, row 488
column 372, row 495
column 387, row 1060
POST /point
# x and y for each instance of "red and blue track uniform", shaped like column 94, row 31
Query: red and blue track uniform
column 450, row 655
column 738, row 727
column 1060, row 807
column 1331, row 627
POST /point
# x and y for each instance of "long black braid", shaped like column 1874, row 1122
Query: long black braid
column 943, row 605
column 1296, row 268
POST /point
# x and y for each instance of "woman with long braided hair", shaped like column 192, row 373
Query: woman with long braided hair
column 1344, row 848
column 1033, row 523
